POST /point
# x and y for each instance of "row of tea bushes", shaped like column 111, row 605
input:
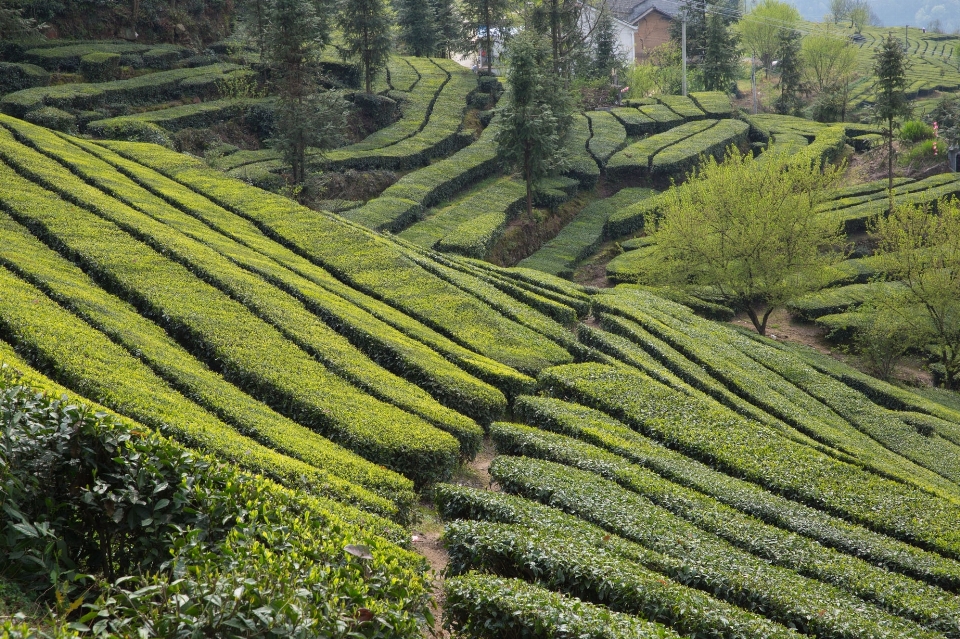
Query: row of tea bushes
column 636, row 160
column 365, row 261
column 270, row 366
column 263, row 557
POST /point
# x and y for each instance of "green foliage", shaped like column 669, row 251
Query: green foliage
column 172, row 537
column 536, row 119
column 52, row 118
column 150, row 88
column 637, row 159
column 366, row 26
column 884, row 339
column 478, row 604
column 661, row 72
column 680, row 159
column 915, row 131
column 16, row 76
column 418, row 28
column 102, row 66
column 608, row 135
column 920, row 247
column 890, row 66
column 762, row 29
column 765, row 241
column 790, row 65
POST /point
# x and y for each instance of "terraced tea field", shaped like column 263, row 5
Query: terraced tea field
column 660, row 474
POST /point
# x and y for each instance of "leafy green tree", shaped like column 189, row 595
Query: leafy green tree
column 791, row 73
column 748, row 231
column 483, row 18
column 418, row 28
column 761, row 29
column 696, row 13
column 537, row 116
column 829, row 68
column 296, row 33
column 920, row 247
column 885, row 337
column 721, row 59
column 839, row 10
column 891, row 106
column 859, row 16
column 366, row 27
column 13, row 24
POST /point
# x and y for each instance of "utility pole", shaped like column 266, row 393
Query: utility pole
column 753, row 80
column 683, row 38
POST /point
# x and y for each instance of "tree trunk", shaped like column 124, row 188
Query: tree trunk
column 759, row 323
column 529, row 179
column 486, row 18
column 890, row 161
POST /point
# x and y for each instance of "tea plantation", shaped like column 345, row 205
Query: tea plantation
column 225, row 414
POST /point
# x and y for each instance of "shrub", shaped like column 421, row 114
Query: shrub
column 16, row 76
column 636, row 160
column 100, row 67
column 160, row 58
column 608, row 135
column 915, row 131
column 52, row 118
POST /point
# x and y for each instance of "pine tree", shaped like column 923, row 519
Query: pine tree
column 297, row 31
column 606, row 55
column 791, row 73
column 449, row 27
column 535, row 122
column 485, row 16
column 366, row 26
column 418, row 28
column 891, row 105
column 721, row 57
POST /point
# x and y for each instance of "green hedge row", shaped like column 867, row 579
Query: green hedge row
column 764, row 125
column 759, row 454
column 634, row 123
column 197, row 248
column 202, row 115
column 15, row 76
column 540, row 314
column 27, row 374
column 873, row 191
column 402, row 74
column 69, row 57
column 855, row 218
column 151, row 88
column 484, row 606
column 836, row 300
column 402, row 203
column 715, row 104
column 724, row 544
column 683, row 106
column 634, row 266
column 531, row 287
column 562, row 552
column 582, row 235
column 439, row 135
column 416, row 348
column 454, row 225
column 338, row 305
column 852, row 437
column 85, row 360
column 367, row 261
column 280, row 373
column 663, row 118
column 924, row 449
column 636, row 160
column 101, row 67
column 631, row 219
column 581, row 165
column 827, row 146
column 808, row 524
column 73, row 289
column 883, row 393
column 607, row 135
column 680, row 159
column 257, row 548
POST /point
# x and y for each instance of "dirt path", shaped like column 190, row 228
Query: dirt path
column 427, row 533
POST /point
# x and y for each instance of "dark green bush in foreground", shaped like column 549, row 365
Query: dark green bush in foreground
column 149, row 539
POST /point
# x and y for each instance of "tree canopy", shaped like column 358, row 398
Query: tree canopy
column 920, row 247
column 747, row 231
column 760, row 30
column 366, row 26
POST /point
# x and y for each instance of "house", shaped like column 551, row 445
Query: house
column 651, row 19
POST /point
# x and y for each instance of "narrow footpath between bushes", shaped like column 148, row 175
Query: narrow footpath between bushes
column 428, row 531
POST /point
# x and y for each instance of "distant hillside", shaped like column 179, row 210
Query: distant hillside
column 918, row 13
